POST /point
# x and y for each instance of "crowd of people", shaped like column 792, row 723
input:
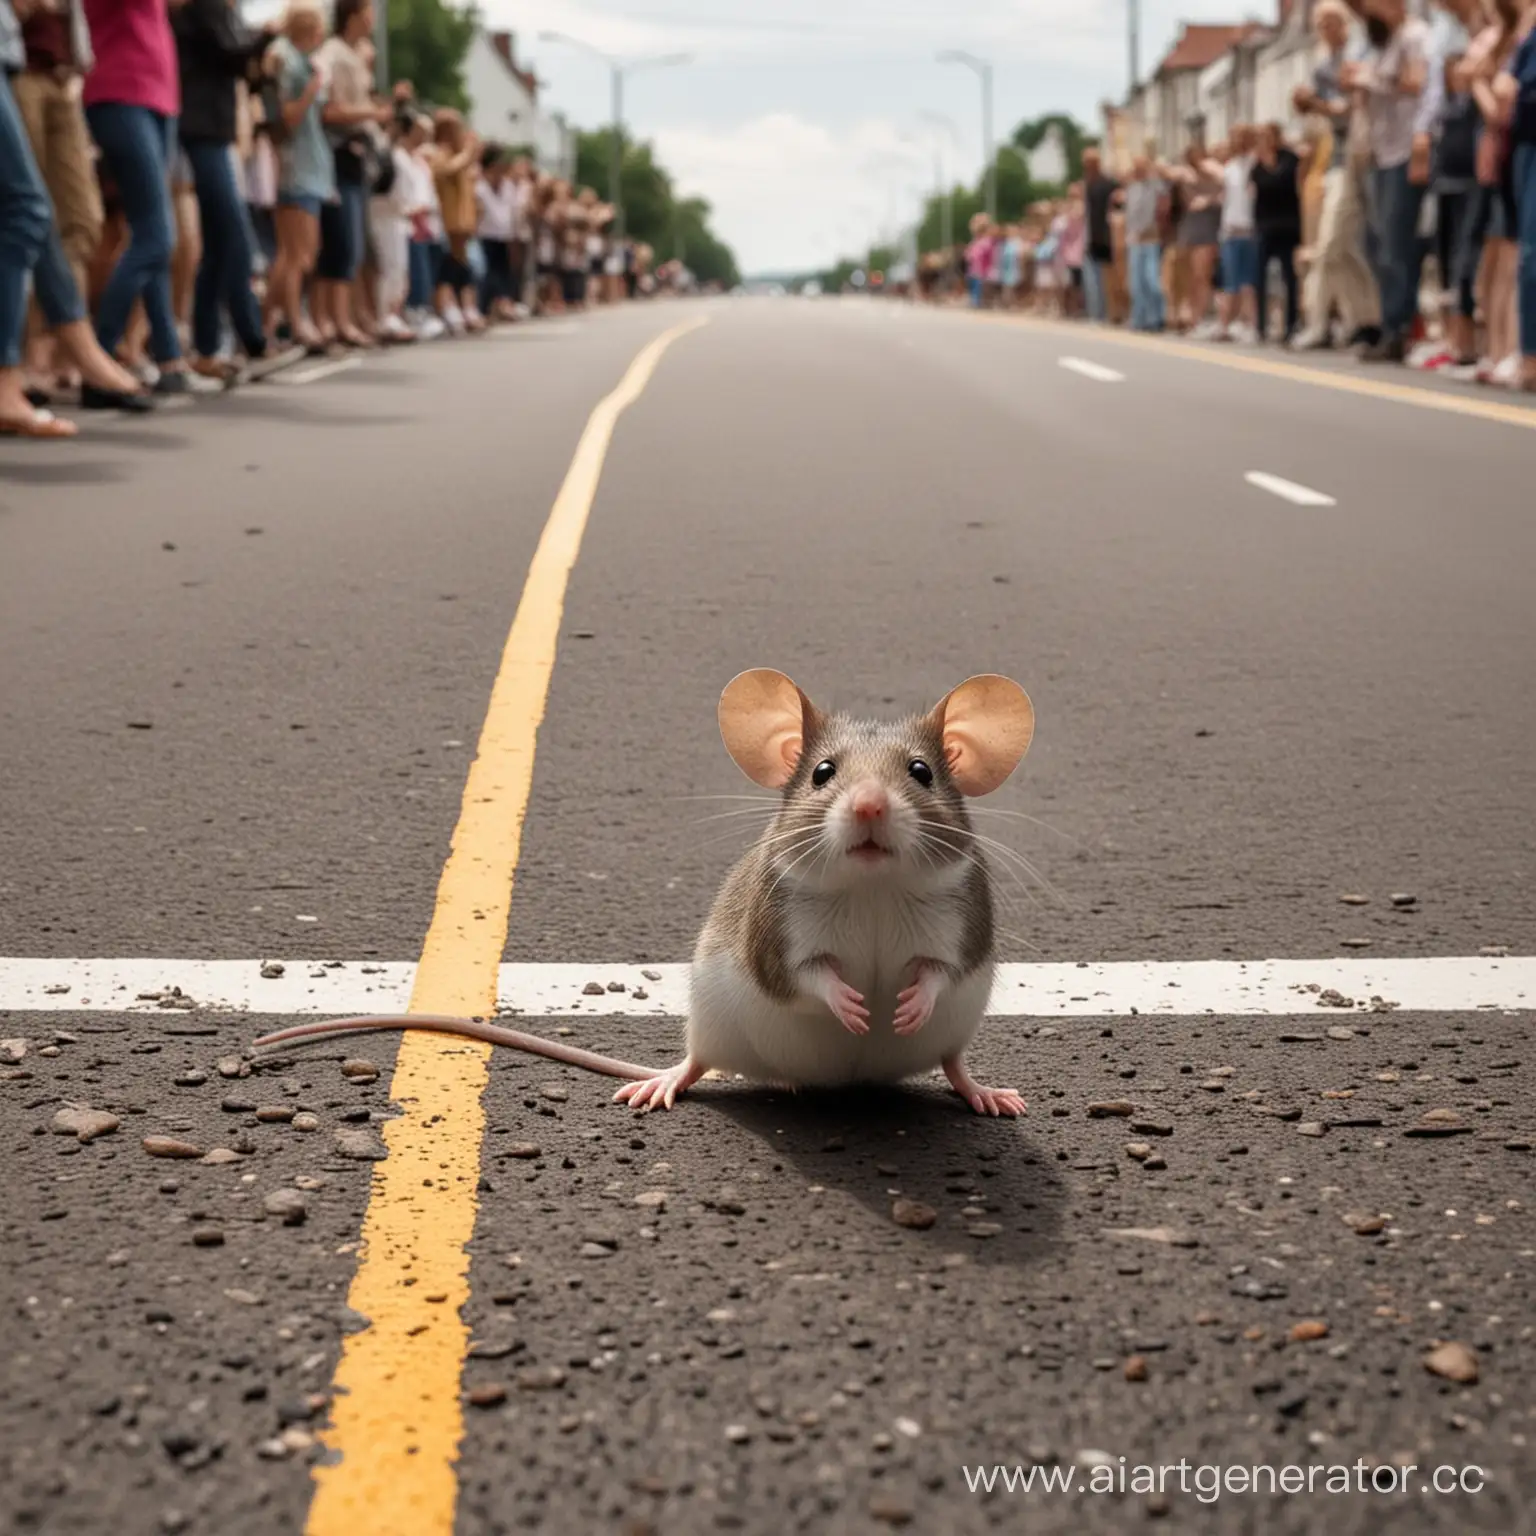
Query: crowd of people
column 1417, row 157
column 187, row 203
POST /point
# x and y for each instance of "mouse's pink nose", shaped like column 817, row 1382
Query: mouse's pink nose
column 870, row 803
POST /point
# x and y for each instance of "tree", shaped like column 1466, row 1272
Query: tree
column 653, row 213
column 428, row 42
column 1029, row 136
column 646, row 186
column 691, row 240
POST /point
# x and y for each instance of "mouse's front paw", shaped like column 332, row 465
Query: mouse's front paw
column 848, row 1008
column 914, row 1008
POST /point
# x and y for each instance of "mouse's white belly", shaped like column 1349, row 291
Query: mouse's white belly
column 733, row 1026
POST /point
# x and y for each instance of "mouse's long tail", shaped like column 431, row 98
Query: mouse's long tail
column 475, row 1029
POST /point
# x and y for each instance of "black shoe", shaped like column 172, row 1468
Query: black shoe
column 1390, row 349
column 1365, row 336
column 94, row 398
column 39, row 399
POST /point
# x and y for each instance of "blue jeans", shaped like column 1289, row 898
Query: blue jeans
column 425, row 258
column 1239, row 263
column 1525, row 204
column 224, row 275
column 1146, row 287
column 1095, row 294
column 29, row 239
column 1395, row 204
column 137, row 146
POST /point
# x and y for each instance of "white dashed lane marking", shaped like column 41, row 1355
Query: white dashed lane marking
column 1330, row 987
column 1096, row 371
column 1288, row 490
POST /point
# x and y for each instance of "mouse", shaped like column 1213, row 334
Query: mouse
column 853, row 941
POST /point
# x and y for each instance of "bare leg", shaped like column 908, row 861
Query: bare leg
column 664, row 1088
column 985, row 1101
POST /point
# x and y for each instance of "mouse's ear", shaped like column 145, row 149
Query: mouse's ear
column 764, row 719
column 987, row 724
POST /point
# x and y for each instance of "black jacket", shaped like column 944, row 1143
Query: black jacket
column 216, row 50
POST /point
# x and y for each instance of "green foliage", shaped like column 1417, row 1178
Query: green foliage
column 1015, row 190
column 428, row 40
column 653, row 213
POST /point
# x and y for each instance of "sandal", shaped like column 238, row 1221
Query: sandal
column 39, row 424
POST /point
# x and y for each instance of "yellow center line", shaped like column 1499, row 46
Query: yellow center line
column 1296, row 373
column 397, row 1417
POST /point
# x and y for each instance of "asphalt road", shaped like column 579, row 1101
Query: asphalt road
column 247, row 652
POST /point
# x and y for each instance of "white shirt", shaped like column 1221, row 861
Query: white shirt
column 422, row 192
column 1237, row 197
column 498, row 208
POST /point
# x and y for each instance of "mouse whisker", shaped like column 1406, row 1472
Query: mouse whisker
column 756, row 799
column 1006, row 866
column 1035, row 821
column 766, row 836
column 1015, row 859
column 763, row 811
column 1010, row 856
column 815, row 842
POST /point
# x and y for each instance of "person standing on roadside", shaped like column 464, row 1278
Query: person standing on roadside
column 1402, row 95
column 216, row 50
column 1340, row 278
column 132, row 99
column 306, row 168
column 30, row 251
column 1276, row 180
column 57, row 44
column 1515, row 91
column 1099, row 257
column 348, row 115
column 1144, row 196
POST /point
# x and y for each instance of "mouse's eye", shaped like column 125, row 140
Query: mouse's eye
column 921, row 772
column 822, row 772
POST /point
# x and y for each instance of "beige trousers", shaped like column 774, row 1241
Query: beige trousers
column 1339, row 277
column 55, row 123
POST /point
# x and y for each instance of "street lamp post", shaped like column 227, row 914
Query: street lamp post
column 617, row 69
column 984, row 70
column 381, row 47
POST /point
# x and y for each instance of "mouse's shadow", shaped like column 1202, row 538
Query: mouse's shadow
column 943, row 1155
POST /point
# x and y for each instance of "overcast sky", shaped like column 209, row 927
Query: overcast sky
column 791, row 118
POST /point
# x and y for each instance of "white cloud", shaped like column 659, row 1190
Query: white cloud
column 791, row 192
column 790, row 117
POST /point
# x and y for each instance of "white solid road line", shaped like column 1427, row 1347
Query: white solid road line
column 1288, row 490
column 292, row 376
column 1089, row 370
column 1257, row 987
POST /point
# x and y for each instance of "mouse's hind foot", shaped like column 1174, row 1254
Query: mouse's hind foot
column 985, row 1101
column 664, row 1088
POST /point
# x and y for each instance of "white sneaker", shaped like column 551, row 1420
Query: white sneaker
column 453, row 318
column 1207, row 330
column 1507, row 372
column 432, row 328
column 1245, row 335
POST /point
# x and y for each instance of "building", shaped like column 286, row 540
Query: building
column 504, row 104
column 1171, row 109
